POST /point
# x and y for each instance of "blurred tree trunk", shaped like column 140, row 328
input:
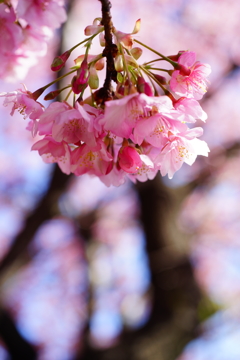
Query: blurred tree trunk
column 173, row 320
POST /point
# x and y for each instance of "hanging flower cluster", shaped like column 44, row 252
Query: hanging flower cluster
column 130, row 130
column 25, row 28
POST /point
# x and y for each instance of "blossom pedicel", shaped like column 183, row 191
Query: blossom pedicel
column 134, row 129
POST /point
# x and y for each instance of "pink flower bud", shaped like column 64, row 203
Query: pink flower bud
column 144, row 87
column 76, row 87
column 176, row 57
column 83, row 73
column 59, row 61
column 161, row 79
column 120, row 89
column 129, row 159
column 52, row 95
column 37, row 93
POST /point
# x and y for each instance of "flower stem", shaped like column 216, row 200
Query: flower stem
column 152, row 61
column 159, row 69
column 68, row 94
column 85, row 40
column 54, row 81
column 174, row 64
column 125, row 64
column 150, row 75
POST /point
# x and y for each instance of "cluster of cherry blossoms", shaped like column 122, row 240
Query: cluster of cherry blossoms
column 130, row 130
column 26, row 27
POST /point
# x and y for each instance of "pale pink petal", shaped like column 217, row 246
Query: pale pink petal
column 191, row 110
column 187, row 59
column 47, row 119
column 129, row 159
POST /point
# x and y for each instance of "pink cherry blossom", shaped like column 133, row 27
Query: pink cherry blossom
column 96, row 116
column 133, row 136
column 190, row 80
column 115, row 177
column 10, row 33
column 180, row 149
column 23, row 101
column 54, row 152
column 146, row 171
column 155, row 129
column 64, row 122
column 136, row 165
column 129, row 159
column 92, row 160
column 25, row 28
column 71, row 126
column 47, row 119
column 122, row 115
column 40, row 13
column 34, row 45
column 189, row 110
column 11, row 38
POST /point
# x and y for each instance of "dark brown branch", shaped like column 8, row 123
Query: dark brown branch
column 110, row 51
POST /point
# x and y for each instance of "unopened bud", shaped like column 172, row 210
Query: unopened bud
column 76, row 87
column 102, row 39
column 59, row 61
column 52, row 95
column 136, row 52
column 120, row 90
column 131, row 61
column 129, row 159
column 83, row 73
column 93, row 81
column 161, row 79
column 118, row 63
column 144, row 87
column 99, row 65
column 37, row 93
column 176, row 57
